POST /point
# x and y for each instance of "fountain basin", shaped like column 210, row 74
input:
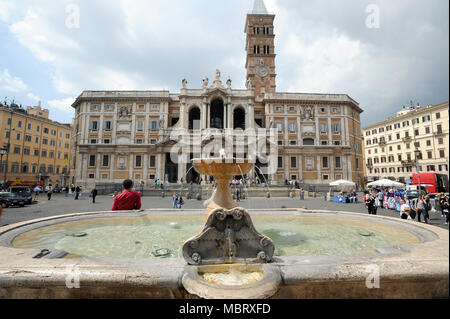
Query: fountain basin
column 237, row 281
column 414, row 270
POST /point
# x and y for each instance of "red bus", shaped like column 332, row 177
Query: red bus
column 435, row 183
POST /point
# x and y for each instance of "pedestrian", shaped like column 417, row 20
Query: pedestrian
column 370, row 204
column 180, row 201
column 77, row 192
column 405, row 210
column 238, row 194
column 49, row 194
column 128, row 199
column 174, row 200
column 302, row 194
column 66, row 191
column 445, row 208
column 441, row 202
column 380, row 197
column 94, row 194
column 36, row 191
column 420, row 208
column 72, row 190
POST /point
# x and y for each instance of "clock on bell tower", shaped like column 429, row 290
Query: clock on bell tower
column 260, row 48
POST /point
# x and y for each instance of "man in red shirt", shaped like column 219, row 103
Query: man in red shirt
column 128, row 200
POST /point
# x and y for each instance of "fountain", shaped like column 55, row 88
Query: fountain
column 228, row 250
column 147, row 254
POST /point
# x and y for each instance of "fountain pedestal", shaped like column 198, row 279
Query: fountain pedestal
column 223, row 171
column 229, row 245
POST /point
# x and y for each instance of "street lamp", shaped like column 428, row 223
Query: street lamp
column 417, row 152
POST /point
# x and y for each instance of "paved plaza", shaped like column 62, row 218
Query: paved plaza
column 61, row 205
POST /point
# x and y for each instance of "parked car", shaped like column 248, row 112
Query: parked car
column 415, row 194
column 24, row 191
column 13, row 199
column 4, row 203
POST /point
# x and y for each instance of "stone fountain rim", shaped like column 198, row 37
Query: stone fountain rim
column 416, row 265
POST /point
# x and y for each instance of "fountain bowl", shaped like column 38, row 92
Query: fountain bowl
column 266, row 284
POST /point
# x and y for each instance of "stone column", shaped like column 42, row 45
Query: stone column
column 114, row 129
column 319, row 168
column 344, row 167
column 332, row 167
column 286, row 165
column 133, row 124
column 83, row 124
column 317, row 139
column 84, row 169
column 99, row 164
column 159, row 175
column 203, row 116
column 350, row 173
column 330, row 132
column 183, row 116
column 300, row 167
column 79, row 167
column 112, row 167
column 347, row 135
column 146, row 164
column 100, row 132
column 286, row 131
column 131, row 165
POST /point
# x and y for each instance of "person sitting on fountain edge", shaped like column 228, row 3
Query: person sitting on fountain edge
column 128, row 200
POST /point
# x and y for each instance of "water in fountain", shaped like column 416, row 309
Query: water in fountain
column 265, row 180
column 245, row 182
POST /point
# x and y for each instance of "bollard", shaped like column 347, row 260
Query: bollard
column 199, row 197
column 267, row 195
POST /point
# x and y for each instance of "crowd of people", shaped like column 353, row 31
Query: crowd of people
column 351, row 197
column 409, row 209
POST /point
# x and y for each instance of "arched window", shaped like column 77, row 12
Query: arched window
column 308, row 141
column 194, row 118
column 217, row 112
column 239, row 119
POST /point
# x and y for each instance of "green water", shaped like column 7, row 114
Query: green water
column 139, row 237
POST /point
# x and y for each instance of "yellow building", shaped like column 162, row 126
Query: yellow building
column 39, row 149
column 391, row 146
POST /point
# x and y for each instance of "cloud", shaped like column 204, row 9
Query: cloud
column 322, row 46
column 33, row 97
column 64, row 105
column 6, row 9
column 11, row 84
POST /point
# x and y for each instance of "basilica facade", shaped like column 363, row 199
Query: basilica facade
column 132, row 134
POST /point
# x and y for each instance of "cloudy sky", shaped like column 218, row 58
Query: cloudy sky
column 323, row 46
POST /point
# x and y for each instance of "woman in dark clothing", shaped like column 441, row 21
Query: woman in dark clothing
column 370, row 204
column 420, row 208
column 445, row 208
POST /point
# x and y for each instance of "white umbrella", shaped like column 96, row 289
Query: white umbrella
column 342, row 182
column 386, row 183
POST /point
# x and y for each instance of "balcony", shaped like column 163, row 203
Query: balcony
column 408, row 162
column 406, row 139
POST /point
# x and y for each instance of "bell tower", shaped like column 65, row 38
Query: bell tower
column 260, row 47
